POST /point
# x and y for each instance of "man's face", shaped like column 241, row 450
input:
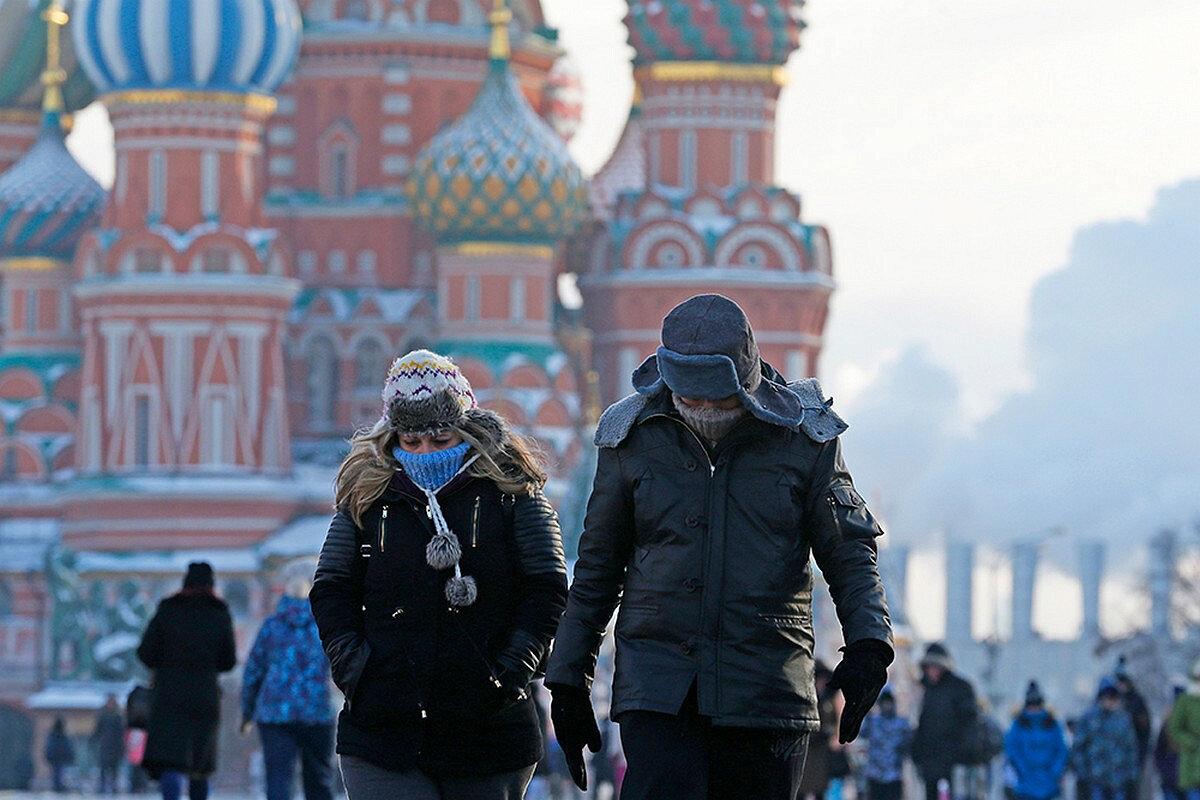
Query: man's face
column 725, row 404
column 934, row 672
column 1110, row 702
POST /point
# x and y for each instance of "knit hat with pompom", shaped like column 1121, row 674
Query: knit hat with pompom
column 425, row 393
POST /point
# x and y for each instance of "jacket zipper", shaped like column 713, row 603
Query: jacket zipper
column 383, row 529
column 837, row 523
column 463, row 628
column 475, row 523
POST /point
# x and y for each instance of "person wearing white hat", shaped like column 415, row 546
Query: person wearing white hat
column 437, row 593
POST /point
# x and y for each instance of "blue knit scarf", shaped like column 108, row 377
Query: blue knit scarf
column 432, row 471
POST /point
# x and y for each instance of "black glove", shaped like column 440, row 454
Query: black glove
column 574, row 727
column 861, row 676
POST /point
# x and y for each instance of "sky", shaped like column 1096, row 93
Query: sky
column 1010, row 254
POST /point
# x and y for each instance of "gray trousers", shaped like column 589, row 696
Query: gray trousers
column 365, row 781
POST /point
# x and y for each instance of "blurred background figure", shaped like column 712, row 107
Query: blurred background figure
column 285, row 691
column 187, row 644
column 1184, row 730
column 887, row 739
column 1104, row 755
column 108, row 742
column 60, row 754
column 1166, row 756
column 948, row 716
column 1036, row 749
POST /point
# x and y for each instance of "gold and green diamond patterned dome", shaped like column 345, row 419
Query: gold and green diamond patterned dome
column 499, row 173
column 22, row 54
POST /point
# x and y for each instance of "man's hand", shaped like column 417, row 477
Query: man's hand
column 861, row 676
column 574, row 726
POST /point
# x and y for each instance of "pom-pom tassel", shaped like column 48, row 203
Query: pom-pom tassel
column 461, row 591
column 443, row 551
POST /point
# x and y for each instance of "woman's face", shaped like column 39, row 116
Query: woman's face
column 429, row 443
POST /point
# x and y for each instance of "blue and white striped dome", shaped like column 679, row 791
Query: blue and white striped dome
column 212, row 45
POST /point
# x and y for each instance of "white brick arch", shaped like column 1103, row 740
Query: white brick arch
column 649, row 247
column 759, row 235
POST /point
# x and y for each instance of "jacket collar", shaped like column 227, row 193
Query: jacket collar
column 402, row 487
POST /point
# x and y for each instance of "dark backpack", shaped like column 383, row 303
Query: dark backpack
column 983, row 741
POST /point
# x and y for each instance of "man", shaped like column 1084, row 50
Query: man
column 947, row 721
column 108, row 738
column 715, row 483
column 1035, row 748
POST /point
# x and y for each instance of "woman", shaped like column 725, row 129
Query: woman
column 1036, row 749
column 437, row 592
column 60, row 753
column 285, row 690
column 188, row 642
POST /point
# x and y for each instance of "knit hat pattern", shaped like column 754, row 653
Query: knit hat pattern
column 426, row 393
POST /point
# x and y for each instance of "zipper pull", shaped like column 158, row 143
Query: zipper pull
column 424, row 713
column 383, row 529
column 429, row 511
column 496, row 682
column 475, row 523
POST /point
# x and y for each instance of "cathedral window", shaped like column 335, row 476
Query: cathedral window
column 370, row 366
column 323, row 382
column 687, row 159
column 516, row 300
column 210, row 180
column 31, row 311
column 158, row 185
column 141, row 431
column 216, row 260
column 147, row 260
column 473, row 299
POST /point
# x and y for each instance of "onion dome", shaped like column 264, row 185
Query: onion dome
column 564, row 98
column 739, row 31
column 22, row 53
column 225, row 46
column 499, row 173
column 47, row 200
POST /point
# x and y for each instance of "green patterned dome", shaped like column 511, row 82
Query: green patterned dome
column 22, row 54
column 739, row 31
column 498, row 174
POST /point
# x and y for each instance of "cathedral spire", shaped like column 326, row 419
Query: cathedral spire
column 54, row 75
column 501, row 49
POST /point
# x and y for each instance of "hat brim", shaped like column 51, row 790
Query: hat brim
column 714, row 377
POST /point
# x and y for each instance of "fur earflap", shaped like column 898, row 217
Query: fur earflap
column 443, row 551
column 461, row 591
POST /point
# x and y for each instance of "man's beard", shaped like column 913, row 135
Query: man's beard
column 711, row 423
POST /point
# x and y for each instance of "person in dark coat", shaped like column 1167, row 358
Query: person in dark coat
column 59, row 753
column 108, row 739
column 1036, row 749
column 716, row 483
column 1166, row 757
column 436, row 594
column 285, row 691
column 948, row 715
column 1139, row 713
column 187, row 644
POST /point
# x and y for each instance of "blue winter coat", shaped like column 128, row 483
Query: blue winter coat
column 1105, row 752
column 1037, row 751
column 287, row 674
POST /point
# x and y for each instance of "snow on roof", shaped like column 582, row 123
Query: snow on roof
column 78, row 695
column 301, row 537
column 168, row 561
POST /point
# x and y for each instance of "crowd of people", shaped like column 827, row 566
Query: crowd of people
column 442, row 584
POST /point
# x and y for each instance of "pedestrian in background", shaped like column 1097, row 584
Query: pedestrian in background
column 948, row 719
column 814, row 783
column 108, row 741
column 1035, row 747
column 59, row 753
column 887, row 739
column 1104, row 754
column 437, row 593
column 1166, row 757
column 187, row 644
column 285, row 691
column 1184, row 728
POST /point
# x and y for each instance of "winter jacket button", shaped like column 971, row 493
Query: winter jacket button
column 690, row 466
column 686, row 648
column 692, row 521
column 692, row 584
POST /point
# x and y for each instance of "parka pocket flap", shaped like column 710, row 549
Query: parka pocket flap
column 848, row 496
column 785, row 620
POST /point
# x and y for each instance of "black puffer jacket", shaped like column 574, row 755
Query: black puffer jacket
column 419, row 677
column 708, row 555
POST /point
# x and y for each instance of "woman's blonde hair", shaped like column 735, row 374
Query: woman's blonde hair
column 512, row 461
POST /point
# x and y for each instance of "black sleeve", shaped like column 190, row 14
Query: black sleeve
column 227, row 654
column 537, row 540
column 150, row 650
column 604, row 552
column 842, row 532
column 337, row 603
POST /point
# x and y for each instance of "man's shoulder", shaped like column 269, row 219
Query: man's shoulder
column 618, row 420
